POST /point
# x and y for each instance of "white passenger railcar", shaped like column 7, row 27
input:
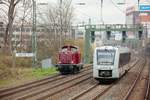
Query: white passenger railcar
column 110, row 62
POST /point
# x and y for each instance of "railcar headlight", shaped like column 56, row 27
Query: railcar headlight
column 111, row 67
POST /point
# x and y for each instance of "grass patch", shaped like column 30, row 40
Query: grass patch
column 26, row 75
column 39, row 72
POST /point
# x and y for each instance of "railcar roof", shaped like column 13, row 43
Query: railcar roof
column 118, row 48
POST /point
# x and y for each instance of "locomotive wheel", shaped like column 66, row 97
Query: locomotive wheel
column 81, row 67
column 75, row 70
column 62, row 73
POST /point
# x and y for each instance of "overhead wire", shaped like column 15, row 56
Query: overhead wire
column 83, row 13
column 86, row 14
column 102, row 12
column 117, row 7
column 101, row 6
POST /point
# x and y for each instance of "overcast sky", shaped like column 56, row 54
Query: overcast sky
column 112, row 13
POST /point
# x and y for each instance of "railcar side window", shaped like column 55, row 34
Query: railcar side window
column 124, row 59
column 105, row 57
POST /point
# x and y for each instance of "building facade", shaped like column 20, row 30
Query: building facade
column 139, row 14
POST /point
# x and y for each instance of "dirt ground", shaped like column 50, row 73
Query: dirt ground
column 22, row 76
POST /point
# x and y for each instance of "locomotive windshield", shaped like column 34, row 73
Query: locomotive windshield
column 105, row 57
column 64, row 49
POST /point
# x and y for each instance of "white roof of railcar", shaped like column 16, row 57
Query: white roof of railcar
column 119, row 48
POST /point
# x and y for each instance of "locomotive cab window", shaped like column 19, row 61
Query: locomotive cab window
column 64, row 49
column 105, row 57
column 74, row 49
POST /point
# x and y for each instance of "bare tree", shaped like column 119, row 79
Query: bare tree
column 57, row 20
column 11, row 14
column 14, row 10
column 54, row 17
column 10, row 6
column 67, row 15
column 24, row 14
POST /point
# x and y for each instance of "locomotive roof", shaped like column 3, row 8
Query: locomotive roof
column 118, row 48
column 71, row 46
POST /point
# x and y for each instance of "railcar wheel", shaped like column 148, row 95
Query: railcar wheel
column 106, row 81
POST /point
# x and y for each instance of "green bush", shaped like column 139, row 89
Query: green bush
column 39, row 72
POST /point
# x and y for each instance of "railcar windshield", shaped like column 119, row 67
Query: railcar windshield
column 105, row 57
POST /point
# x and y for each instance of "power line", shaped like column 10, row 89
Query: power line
column 102, row 12
column 86, row 15
column 117, row 7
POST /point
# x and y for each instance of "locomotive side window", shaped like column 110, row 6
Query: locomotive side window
column 105, row 57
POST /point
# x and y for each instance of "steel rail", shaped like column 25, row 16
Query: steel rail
column 84, row 92
column 49, row 88
column 103, row 92
column 109, row 87
column 11, row 91
column 94, row 86
column 33, row 84
column 148, row 86
column 51, row 94
column 133, row 85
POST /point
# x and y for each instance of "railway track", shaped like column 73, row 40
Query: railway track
column 96, row 89
column 147, row 96
column 98, row 96
column 135, row 81
column 84, row 92
column 50, row 91
column 126, row 97
column 83, row 95
column 61, row 86
column 119, row 90
column 18, row 89
column 92, row 92
column 10, row 91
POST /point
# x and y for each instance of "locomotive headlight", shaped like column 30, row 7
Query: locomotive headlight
column 72, row 62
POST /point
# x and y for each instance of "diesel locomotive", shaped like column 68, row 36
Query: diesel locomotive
column 69, row 60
